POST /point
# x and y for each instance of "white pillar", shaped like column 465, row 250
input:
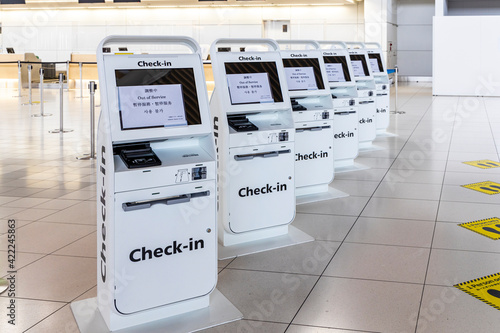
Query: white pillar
column 441, row 7
column 380, row 27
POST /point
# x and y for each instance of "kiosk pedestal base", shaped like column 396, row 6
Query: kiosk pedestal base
column 348, row 166
column 368, row 146
column 219, row 312
column 292, row 237
column 310, row 194
column 382, row 133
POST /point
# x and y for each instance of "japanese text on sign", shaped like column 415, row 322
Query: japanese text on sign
column 151, row 106
column 335, row 72
column 374, row 65
column 357, row 68
column 300, row 78
column 249, row 88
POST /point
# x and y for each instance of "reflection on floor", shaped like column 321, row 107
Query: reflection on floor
column 385, row 259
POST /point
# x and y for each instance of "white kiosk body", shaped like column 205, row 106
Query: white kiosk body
column 365, row 84
column 313, row 117
column 382, row 83
column 255, row 136
column 343, row 91
column 156, row 184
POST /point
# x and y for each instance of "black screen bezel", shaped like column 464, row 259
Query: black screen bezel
column 268, row 67
column 339, row 60
column 379, row 61
column 306, row 62
column 362, row 58
column 164, row 76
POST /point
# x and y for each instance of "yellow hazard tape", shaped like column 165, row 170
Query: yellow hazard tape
column 487, row 227
column 486, row 289
column 484, row 164
column 484, row 187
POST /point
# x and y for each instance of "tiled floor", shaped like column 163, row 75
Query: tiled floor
column 385, row 259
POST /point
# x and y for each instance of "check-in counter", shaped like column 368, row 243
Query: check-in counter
column 9, row 72
column 209, row 77
column 89, row 71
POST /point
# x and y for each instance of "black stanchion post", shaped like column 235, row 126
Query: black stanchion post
column 92, row 88
column 61, row 107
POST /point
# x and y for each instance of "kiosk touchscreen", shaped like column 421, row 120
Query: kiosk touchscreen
column 156, row 179
column 255, row 138
column 365, row 84
column 379, row 69
column 345, row 103
column 313, row 117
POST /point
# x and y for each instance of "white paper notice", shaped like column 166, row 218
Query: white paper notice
column 357, row 68
column 335, row 72
column 374, row 65
column 249, row 88
column 151, row 106
column 300, row 78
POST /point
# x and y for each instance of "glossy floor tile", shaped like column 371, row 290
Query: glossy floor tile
column 384, row 259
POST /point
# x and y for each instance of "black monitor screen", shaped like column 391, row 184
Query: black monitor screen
column 376, row 62
column 157, row 98
column 253, row 82
column 303, row 74
column 359, row 65
column 337, row 69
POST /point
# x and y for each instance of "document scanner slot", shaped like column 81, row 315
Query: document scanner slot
column 136, row 205
column 264, row 155
column 366, row 102
column 312, row 129
column 240, row 123
column 344, row 113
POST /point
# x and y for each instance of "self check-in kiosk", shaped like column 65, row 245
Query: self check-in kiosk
column 382, row 83
column 255, row 137
column 156, row 183
column 313, row 117
column 345, row 101
column 365, row 84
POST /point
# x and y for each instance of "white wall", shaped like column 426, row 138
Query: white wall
column 415, row 37
column 54, row 34
column 466, row 55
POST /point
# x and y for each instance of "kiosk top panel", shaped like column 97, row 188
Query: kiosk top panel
column 304, row 67
column 250, row 80
column 337, row 63
column 153, row 96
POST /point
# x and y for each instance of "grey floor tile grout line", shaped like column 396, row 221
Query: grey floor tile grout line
column 342, row 242
column 435, row 223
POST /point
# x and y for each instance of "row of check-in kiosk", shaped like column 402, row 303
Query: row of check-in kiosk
column 183, row 182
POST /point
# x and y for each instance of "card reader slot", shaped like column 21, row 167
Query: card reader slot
column 144, row 204
column 275, row 153
column 312, row 129
column 366, row 102
column 344, row 113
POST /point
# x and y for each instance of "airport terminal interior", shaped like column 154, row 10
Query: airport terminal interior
column 388, row 257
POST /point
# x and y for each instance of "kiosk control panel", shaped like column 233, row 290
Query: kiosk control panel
column 255, row 137
column 382, row 83
column 156, row 179
column 365, row 84
column 345, row 101
column 313, row 116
